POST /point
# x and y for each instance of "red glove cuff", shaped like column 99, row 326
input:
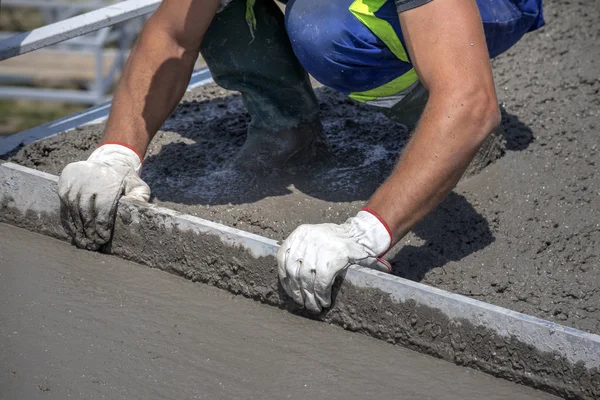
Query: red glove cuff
column 387, row 228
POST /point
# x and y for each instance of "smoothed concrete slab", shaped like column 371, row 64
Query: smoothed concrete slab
column 86, row 325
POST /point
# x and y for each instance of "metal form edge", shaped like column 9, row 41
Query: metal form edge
column 31, row 194
column 575, row 345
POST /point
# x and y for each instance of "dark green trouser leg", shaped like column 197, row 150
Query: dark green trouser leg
column 276, row 90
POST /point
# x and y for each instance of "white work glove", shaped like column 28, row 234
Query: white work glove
column 89, row 192
column 313, row 255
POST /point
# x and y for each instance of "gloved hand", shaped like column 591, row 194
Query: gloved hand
column 313, row 255
column 89, row 192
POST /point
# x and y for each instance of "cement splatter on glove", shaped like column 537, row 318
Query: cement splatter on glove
column 89, row 192
column 314, row 255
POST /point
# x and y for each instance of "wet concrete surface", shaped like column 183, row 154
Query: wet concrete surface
column 523, row 234
column 87, row 325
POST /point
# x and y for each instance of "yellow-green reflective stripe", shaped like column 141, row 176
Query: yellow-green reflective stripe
column 364, row 11
column 251, row 17
column 389, row 89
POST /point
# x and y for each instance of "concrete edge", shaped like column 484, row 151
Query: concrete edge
column 29, row 171
column 28, row 199
column 258, row 246
column 575, row 345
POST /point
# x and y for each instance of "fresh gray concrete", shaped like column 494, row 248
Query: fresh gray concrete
column 468, row 332
column 86, row 325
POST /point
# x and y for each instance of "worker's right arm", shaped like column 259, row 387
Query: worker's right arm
column 153, row 82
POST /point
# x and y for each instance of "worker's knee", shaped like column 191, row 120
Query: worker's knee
column 336, row 48
column 316, row 37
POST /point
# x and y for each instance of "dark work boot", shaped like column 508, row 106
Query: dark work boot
column 408, row 110
column 285, row 123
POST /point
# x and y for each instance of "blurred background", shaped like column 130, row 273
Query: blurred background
column 57, row 81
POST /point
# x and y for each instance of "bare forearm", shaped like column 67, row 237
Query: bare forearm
column 158, row 71
column 461, row 111
column 442, row 147
column 154, row 80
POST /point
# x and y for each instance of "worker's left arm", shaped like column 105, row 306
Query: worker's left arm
column 446, row 43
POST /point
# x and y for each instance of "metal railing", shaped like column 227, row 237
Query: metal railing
column 73, row 29
column 89, row 33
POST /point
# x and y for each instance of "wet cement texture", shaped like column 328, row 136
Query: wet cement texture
column 153, row 239
column 174, row 242
column 523, row 234
column 83, row 325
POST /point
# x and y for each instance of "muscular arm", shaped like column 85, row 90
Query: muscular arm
column 158, row 71
column 446, row 42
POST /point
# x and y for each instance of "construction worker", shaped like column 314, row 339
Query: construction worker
column 424, row 61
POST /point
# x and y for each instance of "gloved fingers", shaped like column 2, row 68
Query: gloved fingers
column 289, row 260
column 322, row 288
column 69, row 191
column 93, row 223
column 136, row 189
column 293, row 288
column 323, row 284
column 65, row 191
column 89, row 193
column 139, row 194
column 105, row 208
column 282, row 255
column 93, row 211
column 328, row 259
column 104, row 223
column 376, row 263
column 87, row 214
column 65, row 218
column 307, row 275
column 78, row 234
column 288, row 272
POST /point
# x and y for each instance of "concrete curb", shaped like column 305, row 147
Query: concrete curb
column 469, row 332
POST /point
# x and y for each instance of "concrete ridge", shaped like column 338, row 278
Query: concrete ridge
column 505, row 343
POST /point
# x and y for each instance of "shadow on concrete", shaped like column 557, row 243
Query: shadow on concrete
column 518, row 135
column 195, row 164
column 450, row 232
column 202, row 138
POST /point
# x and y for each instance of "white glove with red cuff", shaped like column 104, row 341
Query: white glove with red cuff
column 313, row 255
column 89, row 192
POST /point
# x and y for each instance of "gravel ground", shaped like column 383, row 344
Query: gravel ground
column 523, row 234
